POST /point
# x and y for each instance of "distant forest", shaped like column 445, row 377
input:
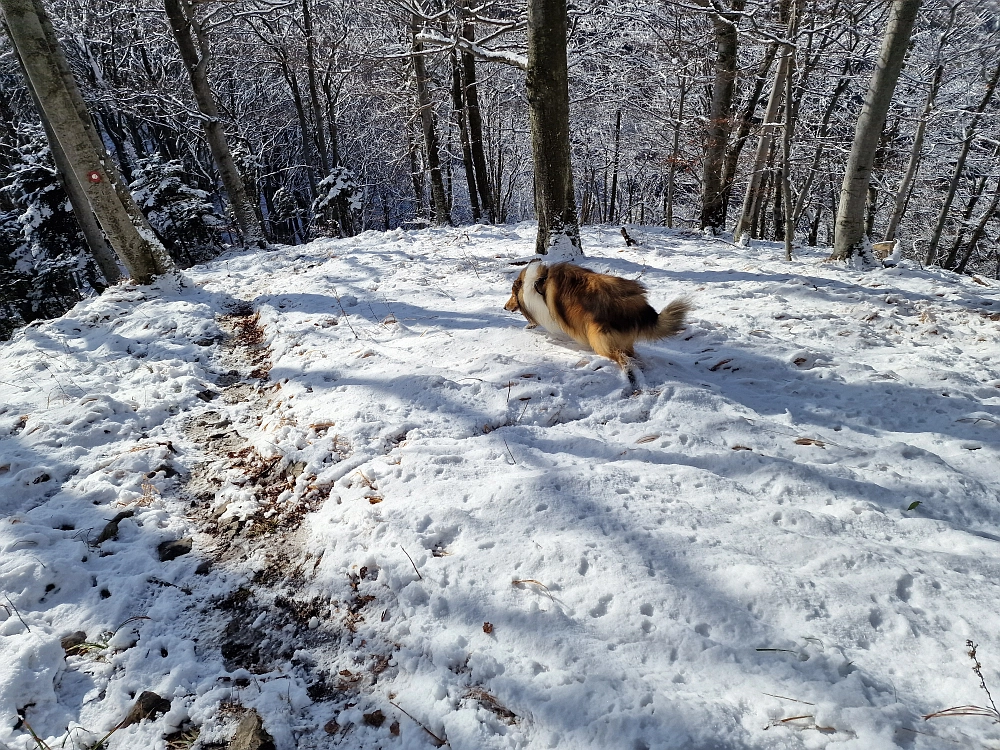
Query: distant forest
column 278, row 121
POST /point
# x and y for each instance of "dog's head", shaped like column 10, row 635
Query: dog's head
column 514, row 303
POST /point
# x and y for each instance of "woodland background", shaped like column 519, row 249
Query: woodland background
column 345, row 116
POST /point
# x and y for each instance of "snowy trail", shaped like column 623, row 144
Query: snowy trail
column 687, row 568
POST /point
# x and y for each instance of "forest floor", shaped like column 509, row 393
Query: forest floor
column 339, row 486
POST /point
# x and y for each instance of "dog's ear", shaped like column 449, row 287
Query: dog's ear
column 539, row 284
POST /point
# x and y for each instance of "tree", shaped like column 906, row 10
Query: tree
column 180, row 214
column 547, row 85
column 196, row 54
column 713, row 201
column 849, row 240
column 440, row 210
column 969, row 136
column 53, row 85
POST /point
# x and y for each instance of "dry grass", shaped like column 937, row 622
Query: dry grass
column 988, row 712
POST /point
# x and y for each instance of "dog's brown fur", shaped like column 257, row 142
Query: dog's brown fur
column 607, row 313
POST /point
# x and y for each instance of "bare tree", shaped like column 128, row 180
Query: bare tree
column 440, row 209
column 548, row 101
column 713, row 202
column 849, row 240
column 197, row 56
column 969, row 136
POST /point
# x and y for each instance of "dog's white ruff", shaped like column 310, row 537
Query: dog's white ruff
column 534, row 303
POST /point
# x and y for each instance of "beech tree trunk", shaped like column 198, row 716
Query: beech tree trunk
column 196, row 55
column 547, row 85
column 86, row 159
column 102, row 253
column 849, row 238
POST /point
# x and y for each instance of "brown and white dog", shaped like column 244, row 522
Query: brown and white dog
column 607, row 313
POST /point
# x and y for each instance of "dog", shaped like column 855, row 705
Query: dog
column 607, row 313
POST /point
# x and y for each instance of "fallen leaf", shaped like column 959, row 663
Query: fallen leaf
column 810, row 441
column 719, row 364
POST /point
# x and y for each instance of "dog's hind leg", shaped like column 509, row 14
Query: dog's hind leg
column 625, row 359
column 636, row 380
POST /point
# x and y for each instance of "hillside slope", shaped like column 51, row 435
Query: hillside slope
column 405, row 519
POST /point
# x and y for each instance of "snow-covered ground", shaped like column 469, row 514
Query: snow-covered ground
column 414, row 521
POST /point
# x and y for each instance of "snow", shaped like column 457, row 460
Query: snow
column 410, row 503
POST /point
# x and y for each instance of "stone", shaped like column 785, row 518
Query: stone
column 147, row 706
column 70, row 643
column 111, row 530
column 251, row 735
column 173, row 549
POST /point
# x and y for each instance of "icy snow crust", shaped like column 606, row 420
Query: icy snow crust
column 692, row 567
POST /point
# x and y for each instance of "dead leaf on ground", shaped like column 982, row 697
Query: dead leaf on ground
column 810, row 441
column 719, row 364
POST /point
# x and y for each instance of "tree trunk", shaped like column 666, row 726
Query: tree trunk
column 849, row 239
column 841, row 87
column 614, row 166
column 486, row 193
column 458, row 104
column 440, row 215
column 196, row 57
column 547, row 85
column 719, row 121
column 903, row 194
column 317, row 111
column 102, row 253
column 980, row 230
column 970, row 136
column 49, row 77
column 668, row 209
column 786, row 152
column 978, row 189
column 300, row 111
column 764, row 143
column 746, row 120
column 416, row 173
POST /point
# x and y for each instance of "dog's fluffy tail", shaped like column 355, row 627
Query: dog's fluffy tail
column 670, row 321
